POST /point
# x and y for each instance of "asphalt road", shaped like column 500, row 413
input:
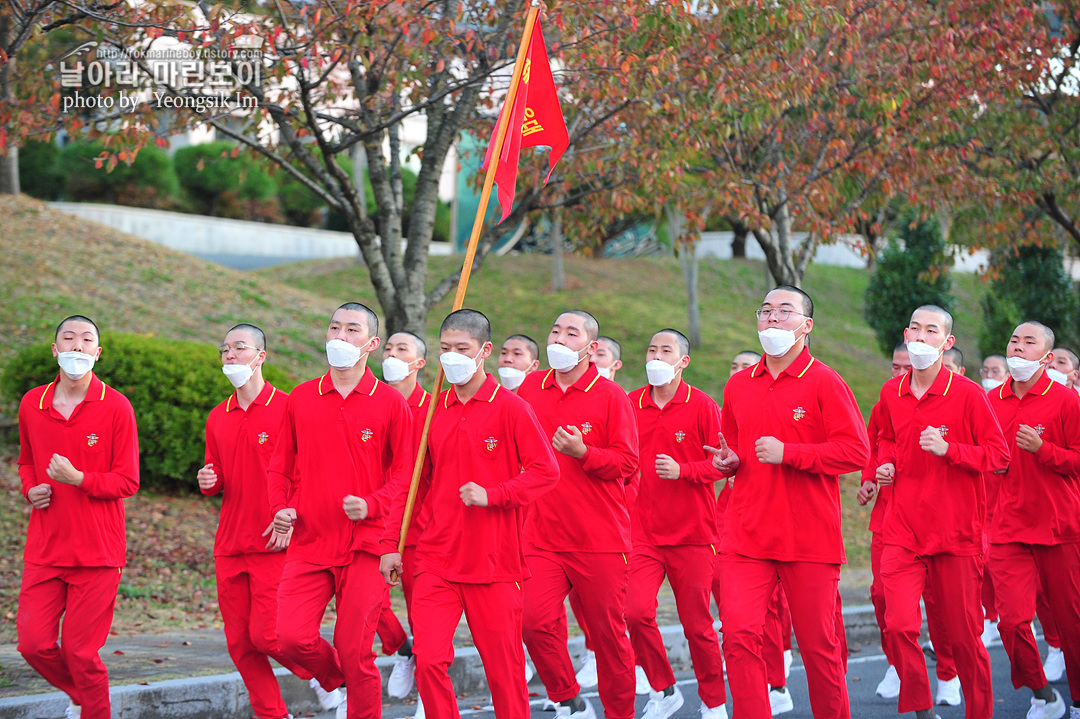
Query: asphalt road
column 864, row 673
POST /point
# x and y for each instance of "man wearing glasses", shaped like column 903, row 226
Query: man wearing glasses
column 240, row 436
column 790, row 426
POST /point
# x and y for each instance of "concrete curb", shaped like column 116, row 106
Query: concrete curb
column 223, row 696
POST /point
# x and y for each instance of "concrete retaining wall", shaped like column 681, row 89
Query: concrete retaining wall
column 197, row 234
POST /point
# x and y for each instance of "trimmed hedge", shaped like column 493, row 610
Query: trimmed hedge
column 172, row 385
column 149, row 181
column 221, row 185
column 39, row 170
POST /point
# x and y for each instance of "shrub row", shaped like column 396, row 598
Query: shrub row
column 172, row 385
column 208, row 179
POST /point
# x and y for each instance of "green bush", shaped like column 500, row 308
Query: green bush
column 913, row 271
column 1031, row 285
column 149, row 181
column 172, row 386
column 225, row 186
column 39, row 170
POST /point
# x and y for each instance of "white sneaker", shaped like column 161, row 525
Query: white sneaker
column 343, row 708
column 327, row 700
column 419, row 714
column 1074, row 712
column 72, row 711
column 1054, row 667
column 948, row 693
column 787, row 663
column 719, row 712
column 530, row 670
column 990, row 633
column 586, row 676
column 548, row 705
column 588, row 712
column 661, row 706
column 641, row 681
column 402, row 677
column 889, row 687
column 780, row 701
column 1042, row 709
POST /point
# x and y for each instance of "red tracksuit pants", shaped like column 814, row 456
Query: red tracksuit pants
column 689, row 571
column 812, row 591
column 247, row 595
column 390, row 632
column 945, row 668
column 958, row 592
column 600, row 582
column 1018, row 569
column 1046, row 619
column 74, row 666
column 493, row 612
column 359, row 588
column 877, row 595
column 579, row 614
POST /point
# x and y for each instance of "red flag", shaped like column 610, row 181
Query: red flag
column 537, row 119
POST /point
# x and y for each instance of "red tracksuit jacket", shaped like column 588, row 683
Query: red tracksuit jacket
column 938, row 504
column 682, row 511
column 239, row 443
column 791, row 511
column 587, row 510
column 83, row 526
column 331, row 447
column 418, row 406
column 1039, row 497
column 495, row 441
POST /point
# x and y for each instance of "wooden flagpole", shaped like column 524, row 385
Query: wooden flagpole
column 470, row 253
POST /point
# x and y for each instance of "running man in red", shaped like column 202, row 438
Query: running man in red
column 344, row 453
column 487, row 458
column 240, row 436
column 78, row 460
column 519, row 356
column 790, row 428
column 938, row 436
column 1035, row 535
column 889, row 686
column 404, row 356
column 674, row 526
column 578, row 535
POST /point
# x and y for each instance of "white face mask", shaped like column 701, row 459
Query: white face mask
column 395, row 370
column 989, row 384
column 923, row 355
column 511, row 377
column 561, row 358
column 1056, row 376
column 238, row 374
column 604, row 372
column 457, row 367
column 776, row 342
column 75, row 364
column 342, row 355
column 1024, row 369
column 659, row 372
